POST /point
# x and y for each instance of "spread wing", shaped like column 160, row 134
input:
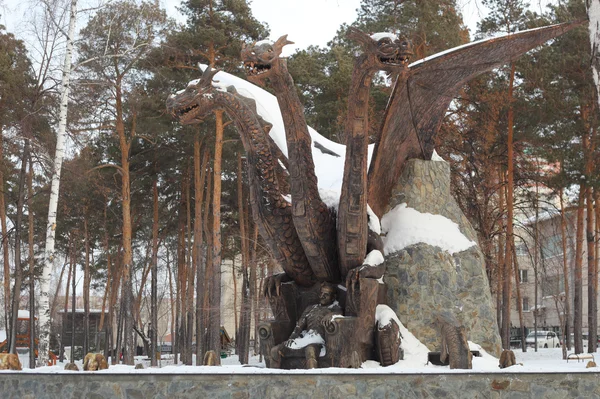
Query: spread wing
column 423, row 93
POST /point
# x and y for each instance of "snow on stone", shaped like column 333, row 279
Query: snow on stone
column 435, row 157
column 374, row 258
column 404, row 226
column 380, row 35
column 287, row 198
column 374, row 224
column 328, row 168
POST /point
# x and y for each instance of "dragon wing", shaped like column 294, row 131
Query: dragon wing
column 423, row 93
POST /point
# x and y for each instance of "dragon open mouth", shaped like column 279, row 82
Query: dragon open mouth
column 182, row 112
column 254, row 69
column 395, row 59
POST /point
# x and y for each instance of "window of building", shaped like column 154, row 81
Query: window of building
column 521, row 250
column 524, row 302
column 523, row 276
column 552, row 246
column 552, row 285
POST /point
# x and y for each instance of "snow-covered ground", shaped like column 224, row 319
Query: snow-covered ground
column 415, row 361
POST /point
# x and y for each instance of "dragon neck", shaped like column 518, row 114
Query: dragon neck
column 262, row 164
column 298, row 139
column 358, row 98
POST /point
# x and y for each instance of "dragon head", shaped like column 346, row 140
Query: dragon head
column 387, row 51
column 192, row 104
column 262, row 58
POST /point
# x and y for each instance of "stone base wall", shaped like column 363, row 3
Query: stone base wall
column 424, row 280
column 309, row 386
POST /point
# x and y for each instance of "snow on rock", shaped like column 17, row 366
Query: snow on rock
column 374, row 223
column 374, row 258
column 404, row 226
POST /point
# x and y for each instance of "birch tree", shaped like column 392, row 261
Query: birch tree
column 49, row 252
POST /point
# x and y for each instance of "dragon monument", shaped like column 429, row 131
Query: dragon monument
column 334, row 260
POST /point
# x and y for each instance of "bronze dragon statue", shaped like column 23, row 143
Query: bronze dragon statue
column 272, row 213
column 422, row 94
column 303, row 235
column 313, row 220
column 387, row 53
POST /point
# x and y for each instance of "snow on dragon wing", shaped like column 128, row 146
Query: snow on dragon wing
column 422, row 95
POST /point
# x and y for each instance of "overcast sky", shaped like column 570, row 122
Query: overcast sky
column 307, row 22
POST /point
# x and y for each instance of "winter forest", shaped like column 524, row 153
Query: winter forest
column 108, row 204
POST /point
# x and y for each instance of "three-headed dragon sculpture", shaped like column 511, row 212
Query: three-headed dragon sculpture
column 307, row 238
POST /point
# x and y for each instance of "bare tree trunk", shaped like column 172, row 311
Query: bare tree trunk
column 64, row 320
column 73, row 307
column 86, row 288
column 254, row 297
column 567, row 323
column 31, row 267
column 16, row 298
column 209, row 257
column 172, row 298
column 191, row 273
column 127, row 288
column 507, row 291
column 5, row 250
column 578, row 284
column 198, row 255
column 588, row 148
column 215, row 293
column 154, row 283
column 243, row 338
column 49, row 255
column 108, row 270
column 592, row 275
column 501, row 250
column 519, row 300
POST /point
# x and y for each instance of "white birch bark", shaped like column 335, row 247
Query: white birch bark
column 593, row 11
column 49, row 253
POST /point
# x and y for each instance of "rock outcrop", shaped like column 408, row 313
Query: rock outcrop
column 425, row 280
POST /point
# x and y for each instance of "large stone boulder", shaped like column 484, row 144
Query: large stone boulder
column 425, row 280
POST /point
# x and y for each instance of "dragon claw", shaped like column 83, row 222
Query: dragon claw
column 273, row 284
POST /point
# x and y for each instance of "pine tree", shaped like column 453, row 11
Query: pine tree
column 214, row 33
column 117, row 39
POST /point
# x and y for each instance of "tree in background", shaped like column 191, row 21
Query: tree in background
column 115, row 41
column 213, row 34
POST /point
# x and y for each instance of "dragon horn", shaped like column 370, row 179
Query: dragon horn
column 282, row 41
column 246, row 49
column 359, row 36
column 207, row 77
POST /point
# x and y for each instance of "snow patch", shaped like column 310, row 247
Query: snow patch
column 404, row 226
column 435, row 157
column 306, row 338
column 374, row 223
column 381, row 35
column 329, row 168
column 374, row 258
